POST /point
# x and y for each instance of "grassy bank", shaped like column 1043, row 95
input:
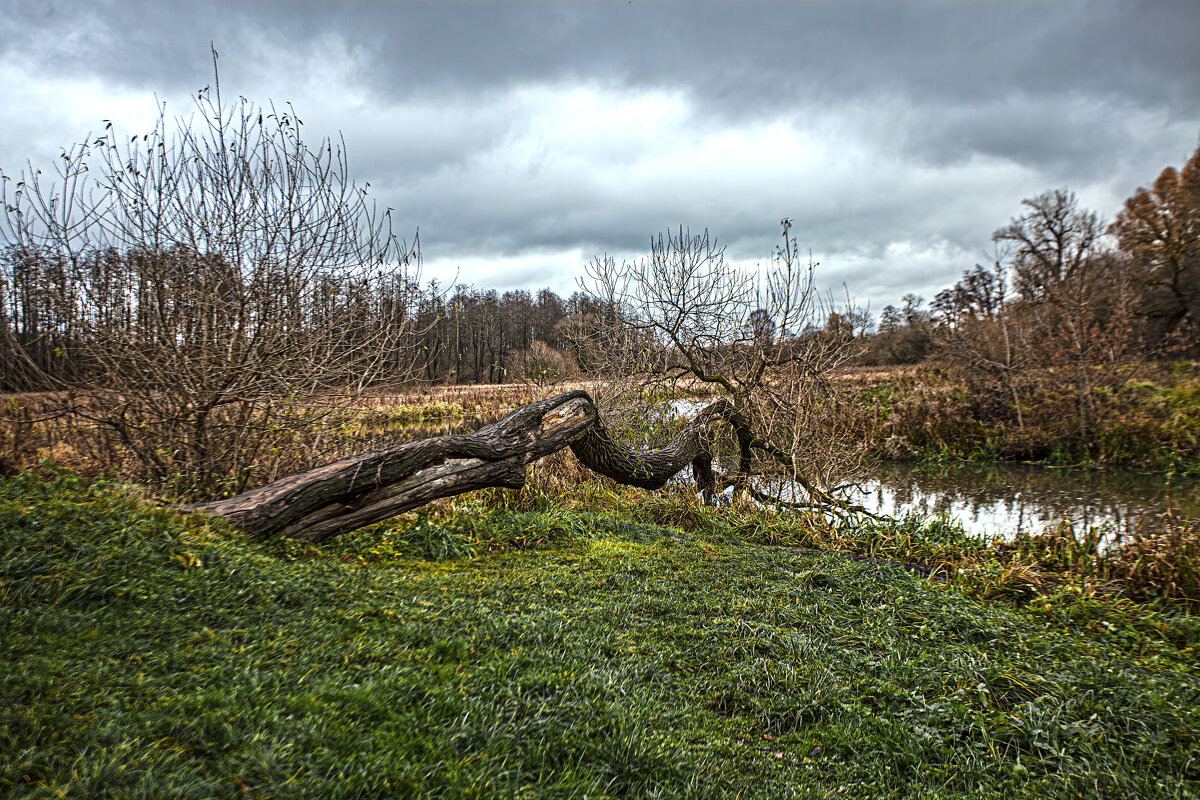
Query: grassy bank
column 1150, row 422
column 500, row 647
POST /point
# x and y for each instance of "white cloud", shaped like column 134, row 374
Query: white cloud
column 48, row 113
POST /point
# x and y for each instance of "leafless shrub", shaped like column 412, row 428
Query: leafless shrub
column 543, row 365
column 683, row 322
column 202, row 291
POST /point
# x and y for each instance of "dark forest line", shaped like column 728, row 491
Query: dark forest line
column 1064, row 289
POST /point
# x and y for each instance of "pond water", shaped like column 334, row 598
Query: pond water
column 999, row 499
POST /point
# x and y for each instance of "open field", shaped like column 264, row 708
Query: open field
column 500, row 647
column 907, row 413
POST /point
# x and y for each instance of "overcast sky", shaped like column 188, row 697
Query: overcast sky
column 525, row 138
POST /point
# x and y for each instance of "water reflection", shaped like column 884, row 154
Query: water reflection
column 1000, row 499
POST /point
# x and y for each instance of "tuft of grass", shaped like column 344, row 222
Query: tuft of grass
column 482, row 651
column 1159, row 560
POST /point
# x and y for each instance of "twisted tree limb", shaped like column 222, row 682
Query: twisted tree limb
column 363, row 489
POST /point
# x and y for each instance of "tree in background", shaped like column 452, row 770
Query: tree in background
column 905, row 335
column 1159, row 229
column 1077, row 302
column 1053, row 245
column 977, row 331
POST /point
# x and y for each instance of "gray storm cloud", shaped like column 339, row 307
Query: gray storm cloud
column 523, row 138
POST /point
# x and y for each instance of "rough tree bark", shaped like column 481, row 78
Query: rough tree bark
column 363, row 489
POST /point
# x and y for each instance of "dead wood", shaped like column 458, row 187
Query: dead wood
column 363, row 489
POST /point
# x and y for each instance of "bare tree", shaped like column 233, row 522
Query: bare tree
column 210, row 282
column 683, row 320
column 979, row 330
column 1077, row 298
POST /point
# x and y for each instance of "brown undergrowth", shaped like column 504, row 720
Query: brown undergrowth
column 1151, row 422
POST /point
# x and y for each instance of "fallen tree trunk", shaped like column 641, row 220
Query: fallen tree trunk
column 363, row 489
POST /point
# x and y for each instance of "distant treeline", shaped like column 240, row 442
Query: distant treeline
column 482, row 336
column 50, row 311
column 1064, row 290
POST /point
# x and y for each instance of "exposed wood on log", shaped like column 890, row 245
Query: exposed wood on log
column 367, row 488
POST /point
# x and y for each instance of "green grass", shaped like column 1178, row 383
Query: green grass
column 505, row 653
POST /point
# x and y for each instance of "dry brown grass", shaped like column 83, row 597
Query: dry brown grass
column 1158, row 559
column 33, row 427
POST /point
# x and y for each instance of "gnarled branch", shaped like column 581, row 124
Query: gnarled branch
column 371, row 487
